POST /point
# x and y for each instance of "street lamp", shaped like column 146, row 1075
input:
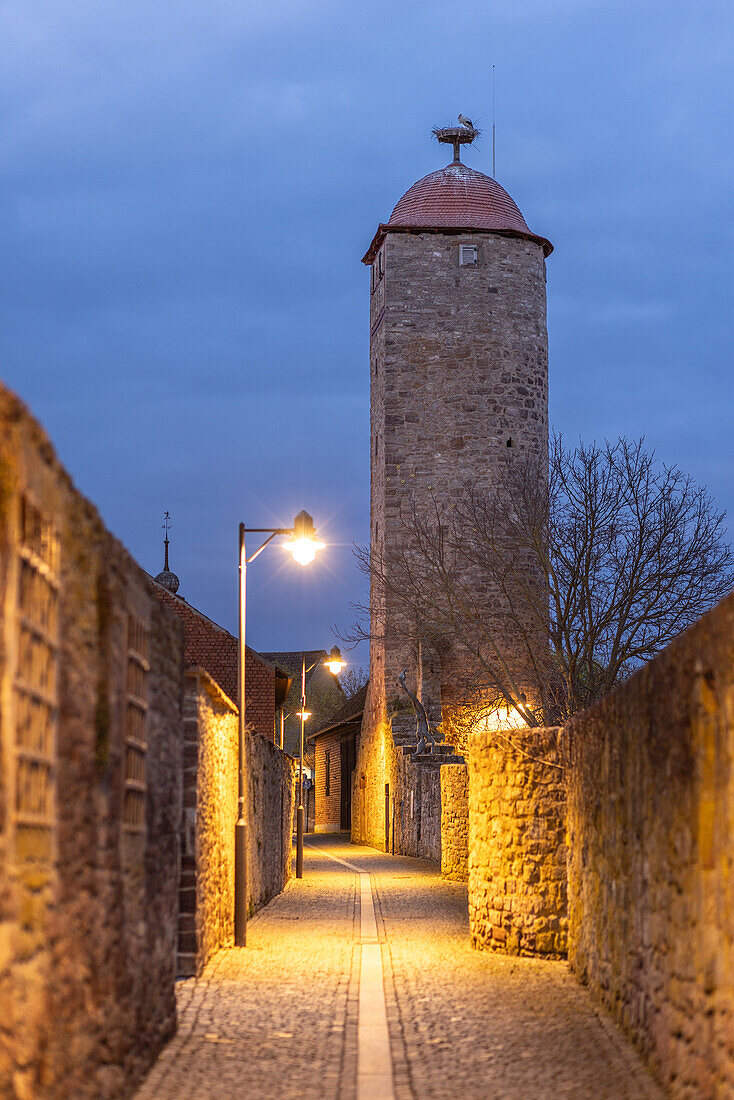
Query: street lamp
column 335, row 663
column 303, row 545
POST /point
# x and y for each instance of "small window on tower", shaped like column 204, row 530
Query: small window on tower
column 467, row 255
column 380, row 271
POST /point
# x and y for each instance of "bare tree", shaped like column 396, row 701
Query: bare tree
column 596, row 563
column 353, row 680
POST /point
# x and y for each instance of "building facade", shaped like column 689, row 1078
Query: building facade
column 334, row 746
column 459, row 385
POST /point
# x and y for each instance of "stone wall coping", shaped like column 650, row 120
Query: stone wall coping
column 196, row 672
column 384, row 228
column 681, row 641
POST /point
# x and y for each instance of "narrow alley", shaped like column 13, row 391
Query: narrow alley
column 313, row 1007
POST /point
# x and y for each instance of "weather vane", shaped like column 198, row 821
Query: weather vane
column 167, row 578
column 463, row 134
column 166, row 525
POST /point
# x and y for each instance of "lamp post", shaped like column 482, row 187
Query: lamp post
column 335, row 664
column 303, row 714
column 302, row 544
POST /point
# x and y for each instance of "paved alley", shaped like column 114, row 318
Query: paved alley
column 366, row 987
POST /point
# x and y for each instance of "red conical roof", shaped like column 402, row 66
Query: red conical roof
column 458, row 197
column 454, row 198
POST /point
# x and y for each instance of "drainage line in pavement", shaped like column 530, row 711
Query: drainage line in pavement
column 374, row 1060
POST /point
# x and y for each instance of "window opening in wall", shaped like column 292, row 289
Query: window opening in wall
column 36, row 683
column 380, row 269
column 327, row 774
column 467, row 255
column 509, row 442
column 136, row 717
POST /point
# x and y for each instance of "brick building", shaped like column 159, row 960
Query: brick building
column 211, row 647
column 459, row 385
column 335, row 756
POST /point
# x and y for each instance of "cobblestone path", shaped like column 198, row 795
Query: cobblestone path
column 279, row 1018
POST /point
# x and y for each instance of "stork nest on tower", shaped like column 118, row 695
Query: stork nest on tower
column 448, row 135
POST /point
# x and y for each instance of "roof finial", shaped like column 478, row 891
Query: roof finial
column 463, row 134
column 166, row 525
column 168, row 579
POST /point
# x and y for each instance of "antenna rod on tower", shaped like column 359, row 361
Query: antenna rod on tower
column 494, row 169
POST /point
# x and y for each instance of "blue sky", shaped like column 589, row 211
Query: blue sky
column 186, row 191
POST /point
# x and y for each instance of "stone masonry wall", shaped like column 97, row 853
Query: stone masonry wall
column 455, row 822
column 210, row 811
column 651, row 873
column 91, row 677
column 458, row 370
column 206, row 919
column 396, row 804
column 271, row 802
column 376, row 773
column 415, row 811
column 517, row 851
column 459, row 359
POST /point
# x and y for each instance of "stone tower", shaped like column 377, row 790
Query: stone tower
column 459, row 373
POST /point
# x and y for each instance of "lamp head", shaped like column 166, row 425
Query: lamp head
column 304, row 715
column 335, row 662
column 303, row 543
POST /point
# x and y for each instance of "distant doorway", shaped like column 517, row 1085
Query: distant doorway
column 348, row 764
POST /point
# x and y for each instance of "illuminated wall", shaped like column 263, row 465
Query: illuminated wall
column 91, row 678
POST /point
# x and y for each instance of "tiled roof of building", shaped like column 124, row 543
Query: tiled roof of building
column 291, row 661
column 456, row 198
column 211, row 646
column 352, row 711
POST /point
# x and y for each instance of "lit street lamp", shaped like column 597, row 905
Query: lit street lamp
column 302, row 544
column 335, row 662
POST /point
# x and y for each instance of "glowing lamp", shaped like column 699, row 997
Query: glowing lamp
column 335, row 662
column 303, row 544
column 303, row 714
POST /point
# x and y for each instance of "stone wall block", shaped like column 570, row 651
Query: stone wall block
column 651, row 835
column 207, row 880
column 517, row 852
column 455, row 822
column 91, row 681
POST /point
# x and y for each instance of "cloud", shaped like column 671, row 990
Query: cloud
column 186, row 192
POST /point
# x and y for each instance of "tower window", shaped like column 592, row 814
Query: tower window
column 467, row 255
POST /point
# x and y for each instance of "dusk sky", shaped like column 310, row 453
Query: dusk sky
column 186, row 192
